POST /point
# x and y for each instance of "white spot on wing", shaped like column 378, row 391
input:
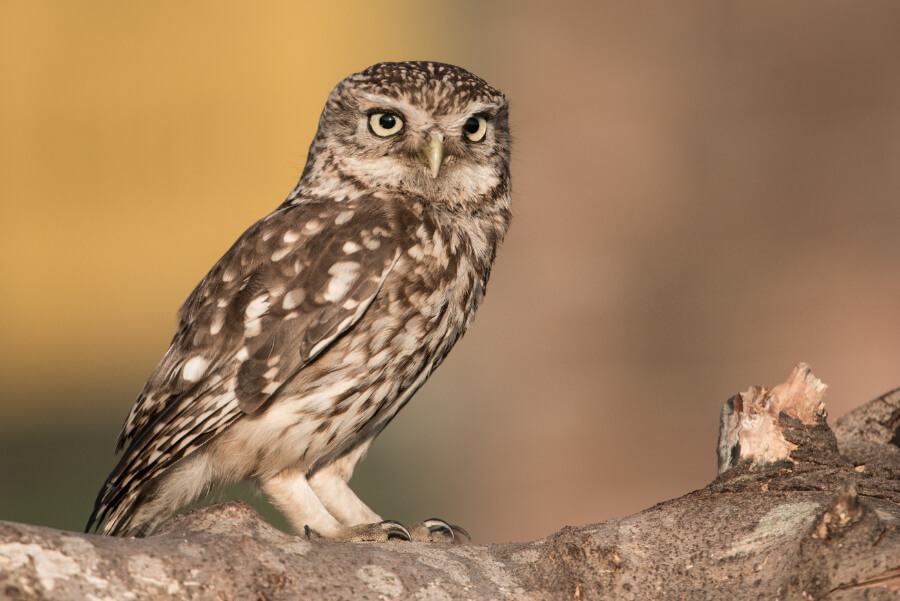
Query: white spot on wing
column 351, row 247
column 343, row 217
column 293, row 298
column 343, row 274
column 281, row 253
column 216, row 326
column 194, row 369
column 290, row 236
column 257, row 306
column 252, row 328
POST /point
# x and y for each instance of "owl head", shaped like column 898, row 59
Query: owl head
column 427, row 129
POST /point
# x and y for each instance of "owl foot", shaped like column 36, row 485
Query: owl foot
column 438, row 531
column 377, row 532
column 428, row 531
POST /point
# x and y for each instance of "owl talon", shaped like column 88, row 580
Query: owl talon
column 395, row 530
column 459, row 533
column 378, row 532
column 437, row 530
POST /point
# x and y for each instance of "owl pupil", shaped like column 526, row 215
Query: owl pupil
column 472, row 125
column 387, row 121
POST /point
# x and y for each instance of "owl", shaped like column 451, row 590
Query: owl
column 326, row 316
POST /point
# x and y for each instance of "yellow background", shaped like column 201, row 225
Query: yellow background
column 705, row 194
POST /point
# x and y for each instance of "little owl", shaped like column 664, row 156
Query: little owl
column 325, row 317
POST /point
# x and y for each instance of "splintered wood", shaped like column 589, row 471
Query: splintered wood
column 749, row 426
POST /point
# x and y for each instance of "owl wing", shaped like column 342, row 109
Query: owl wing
column 290, row 286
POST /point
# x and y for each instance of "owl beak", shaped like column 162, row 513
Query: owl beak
column 432, row 154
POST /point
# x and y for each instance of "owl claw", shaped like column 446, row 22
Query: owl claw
column 432, row 530
column 377, row 532
column 458, row 533
column 395, row 530
column 437, row 530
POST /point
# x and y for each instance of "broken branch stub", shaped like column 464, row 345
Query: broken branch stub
column 752, row 427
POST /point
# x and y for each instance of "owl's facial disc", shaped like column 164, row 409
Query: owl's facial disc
column 432, row 154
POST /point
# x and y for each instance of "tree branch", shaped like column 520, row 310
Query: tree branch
column 798, row 511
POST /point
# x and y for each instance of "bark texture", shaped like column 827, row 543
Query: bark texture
column 799, row 511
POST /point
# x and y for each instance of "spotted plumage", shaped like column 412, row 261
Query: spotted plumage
column 326, row 316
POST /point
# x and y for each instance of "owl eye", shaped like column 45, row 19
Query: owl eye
column 475, row 128
column 385, row 124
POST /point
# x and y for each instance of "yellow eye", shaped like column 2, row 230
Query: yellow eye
column 475, row 128
column 385, row 124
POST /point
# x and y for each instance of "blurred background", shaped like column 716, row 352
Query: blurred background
column 705, row 194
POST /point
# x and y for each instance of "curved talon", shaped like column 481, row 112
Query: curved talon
column 377, row 532
column 395, row 530
column 431, row 530
column 460, row 530
column 452, row 532
column 452, row 529
column 435, row 525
